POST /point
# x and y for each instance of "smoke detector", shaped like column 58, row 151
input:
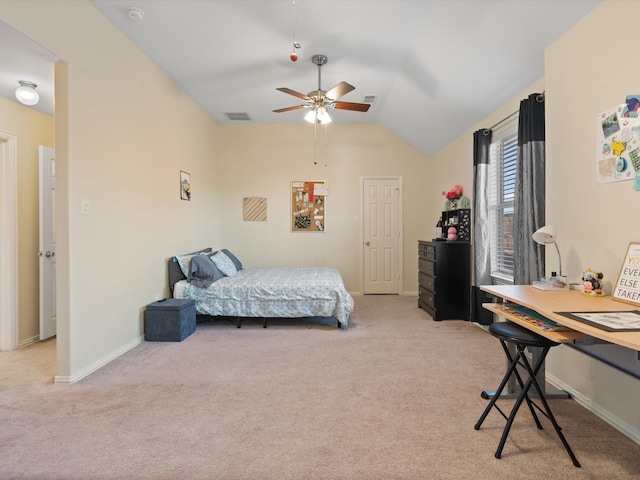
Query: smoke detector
column 135, row 14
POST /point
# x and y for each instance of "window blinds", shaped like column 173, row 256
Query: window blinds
column 503, row 155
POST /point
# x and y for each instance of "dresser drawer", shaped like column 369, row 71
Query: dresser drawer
column 427, row 282
column 426, row 251
column 427, row 267
column 427, row 297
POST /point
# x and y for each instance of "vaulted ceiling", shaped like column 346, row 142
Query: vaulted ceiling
column 434, row 68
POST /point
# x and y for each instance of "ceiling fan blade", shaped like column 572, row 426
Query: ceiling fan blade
column 287, row 109
column 339, row 90
column 294, row 93
column 358, row 107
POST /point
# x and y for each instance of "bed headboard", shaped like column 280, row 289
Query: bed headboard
column 175, row 273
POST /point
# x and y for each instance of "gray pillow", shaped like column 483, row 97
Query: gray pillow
column 203, row 271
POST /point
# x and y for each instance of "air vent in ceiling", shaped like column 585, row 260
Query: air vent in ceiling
column 370, row 99
column 238, row 116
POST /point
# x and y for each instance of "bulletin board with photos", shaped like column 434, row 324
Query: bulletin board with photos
column 308, row 205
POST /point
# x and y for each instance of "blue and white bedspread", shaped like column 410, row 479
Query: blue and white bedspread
column 276, row 292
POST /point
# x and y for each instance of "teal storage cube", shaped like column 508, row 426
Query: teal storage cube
column 170, row 320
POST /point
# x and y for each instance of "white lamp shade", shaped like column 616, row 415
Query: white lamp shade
column 311, row 116
column 323, row 115
column 545, row 235
column 319, row 115
column 26, row 93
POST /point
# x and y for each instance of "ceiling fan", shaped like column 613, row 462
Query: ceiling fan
column 318, row 100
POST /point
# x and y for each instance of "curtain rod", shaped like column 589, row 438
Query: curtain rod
column 504, row 120
column 539, row 98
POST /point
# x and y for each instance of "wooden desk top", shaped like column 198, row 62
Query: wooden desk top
column 546, row 302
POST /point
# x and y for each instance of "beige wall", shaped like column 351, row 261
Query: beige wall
column 262, row 160
column 32, row 129
column 122, row 149
column 453, row 164
column 585, row 74
column 123, row 133
column 594, row 222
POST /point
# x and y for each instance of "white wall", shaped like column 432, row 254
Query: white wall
column 121, row 148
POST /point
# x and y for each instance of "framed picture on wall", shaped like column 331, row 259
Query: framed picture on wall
column 185, row 186
column 627, row 287
column 308, row 206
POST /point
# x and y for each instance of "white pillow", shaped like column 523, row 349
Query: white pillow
column 224, row 264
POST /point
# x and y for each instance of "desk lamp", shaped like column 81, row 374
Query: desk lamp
column 546, row 236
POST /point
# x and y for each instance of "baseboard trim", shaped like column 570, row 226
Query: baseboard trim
column 623, row 427
column 29, row 341
column 68, row 380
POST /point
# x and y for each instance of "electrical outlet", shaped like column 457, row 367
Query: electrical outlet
column 84, row 207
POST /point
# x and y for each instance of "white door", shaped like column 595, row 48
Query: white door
column 47, row 243
column 381, row 223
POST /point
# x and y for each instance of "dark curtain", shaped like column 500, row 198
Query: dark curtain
column 481, row 234
column 529, row 205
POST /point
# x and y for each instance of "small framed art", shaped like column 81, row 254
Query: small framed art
column 627, row 287
column 185, row 186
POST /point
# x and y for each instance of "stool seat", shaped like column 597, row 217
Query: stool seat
column 514, row 333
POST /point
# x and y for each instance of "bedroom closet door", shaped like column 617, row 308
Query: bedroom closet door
column 382, row 232
column 47, row 251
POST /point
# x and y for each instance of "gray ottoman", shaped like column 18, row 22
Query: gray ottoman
column 170, row 320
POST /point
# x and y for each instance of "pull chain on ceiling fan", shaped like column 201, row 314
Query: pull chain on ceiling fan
column 319, row 100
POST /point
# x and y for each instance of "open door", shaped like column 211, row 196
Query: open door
column 47, row 244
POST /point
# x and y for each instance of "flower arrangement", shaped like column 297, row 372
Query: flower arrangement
column 454, row 193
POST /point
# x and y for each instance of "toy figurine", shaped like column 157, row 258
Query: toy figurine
column 592, row 286
column 452, row 234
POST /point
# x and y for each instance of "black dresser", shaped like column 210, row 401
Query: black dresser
column 444, row 279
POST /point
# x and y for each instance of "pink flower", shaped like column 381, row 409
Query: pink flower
column 455, row 192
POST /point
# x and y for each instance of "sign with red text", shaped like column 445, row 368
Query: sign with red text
column 628, row 285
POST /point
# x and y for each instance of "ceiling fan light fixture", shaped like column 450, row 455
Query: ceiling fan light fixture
column 318, row 115
column 26, row 93
column 311, row 116
column 323, row 115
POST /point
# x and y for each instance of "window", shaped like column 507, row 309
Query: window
column 502, row 177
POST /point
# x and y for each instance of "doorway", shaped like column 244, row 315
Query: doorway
column 382, row 235
column 8, row 242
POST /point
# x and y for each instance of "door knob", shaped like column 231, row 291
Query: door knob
column 50, row 254
column 367, row 243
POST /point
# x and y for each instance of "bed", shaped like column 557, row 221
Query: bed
column 263, row 292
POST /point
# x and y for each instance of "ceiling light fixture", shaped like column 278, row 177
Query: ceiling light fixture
column 318, row 115
column 26, row 93
column 294, row 55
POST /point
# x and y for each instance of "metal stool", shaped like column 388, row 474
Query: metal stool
column 521, row 337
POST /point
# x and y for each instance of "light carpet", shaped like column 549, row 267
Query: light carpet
column 395, row 396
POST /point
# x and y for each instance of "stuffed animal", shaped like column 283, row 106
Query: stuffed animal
column 452, row 234
column 591, row 283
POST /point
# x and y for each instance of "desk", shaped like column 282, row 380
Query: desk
column 547, row 302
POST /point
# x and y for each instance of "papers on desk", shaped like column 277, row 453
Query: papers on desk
column 628, row 321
